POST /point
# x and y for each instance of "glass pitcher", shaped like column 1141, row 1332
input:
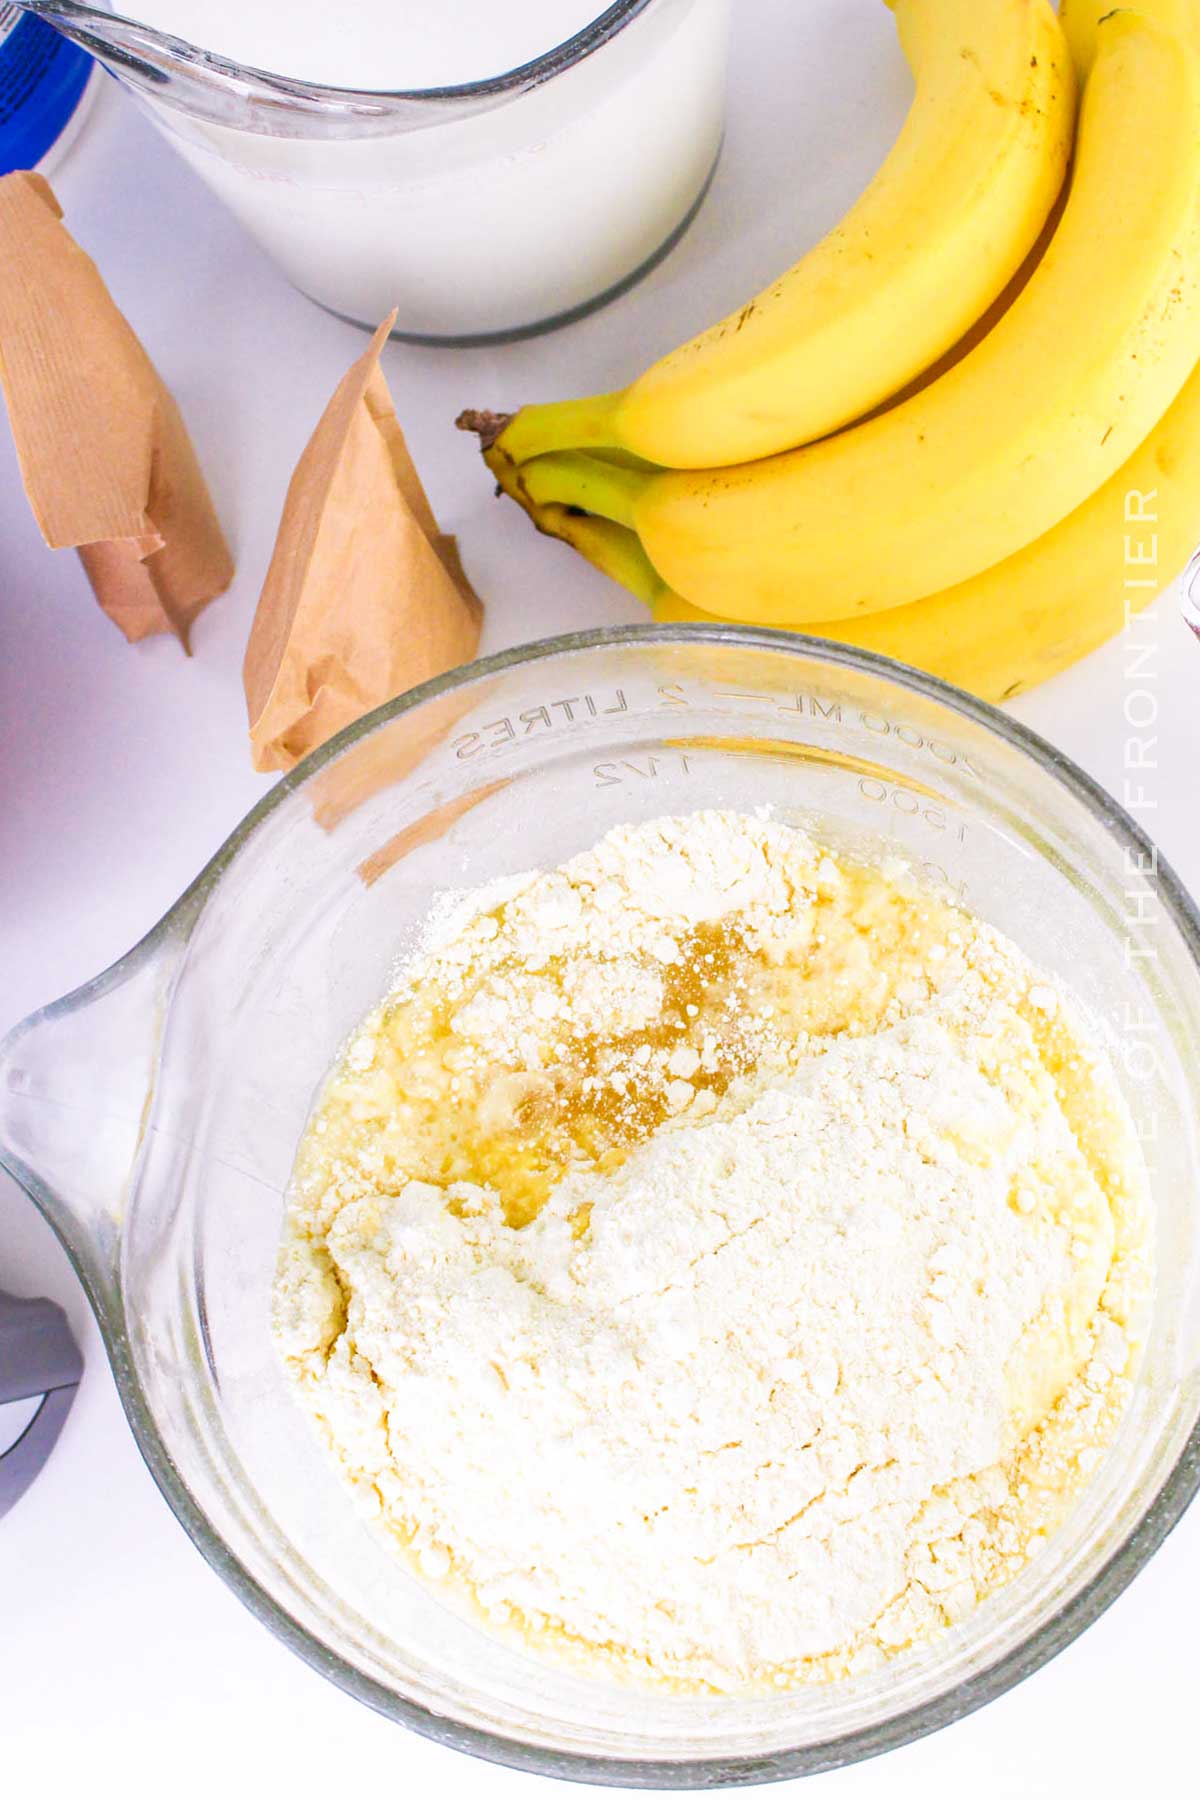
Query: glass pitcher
column 154, row 1115
column 486, row 211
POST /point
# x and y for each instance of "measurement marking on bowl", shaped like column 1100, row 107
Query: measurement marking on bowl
column 941, row 878
column 806, row 704
column 831, row 712
column 842, row 760
column 561, row 714
column 908, row 801
column 903, row 800
column 810, row 704
column 620, row 774
column 552, row 715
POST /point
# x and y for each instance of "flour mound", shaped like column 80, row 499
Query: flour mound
column 753, row 1404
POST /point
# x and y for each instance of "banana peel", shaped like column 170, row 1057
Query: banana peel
column 1020, row 622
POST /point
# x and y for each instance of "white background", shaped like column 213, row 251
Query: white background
column 123, row 1659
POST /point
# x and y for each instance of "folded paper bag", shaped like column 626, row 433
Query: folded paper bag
column 364, row 597
column 105, row 456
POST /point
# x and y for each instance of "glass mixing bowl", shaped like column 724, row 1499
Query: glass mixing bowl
column 153, row 1116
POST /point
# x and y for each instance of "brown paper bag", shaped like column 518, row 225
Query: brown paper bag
column 364, row 597
column 106, row 459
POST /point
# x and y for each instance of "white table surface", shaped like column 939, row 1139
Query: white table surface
column 123, row 1658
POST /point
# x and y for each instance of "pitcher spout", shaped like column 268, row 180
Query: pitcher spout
column 189, row 86
column 120, row 42
column 76, row 1085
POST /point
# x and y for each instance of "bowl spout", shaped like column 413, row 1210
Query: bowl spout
column 76, row 1084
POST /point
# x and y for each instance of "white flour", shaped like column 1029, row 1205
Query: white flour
column 754, row 1403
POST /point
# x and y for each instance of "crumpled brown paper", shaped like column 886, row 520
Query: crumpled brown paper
column 364, row 597
column 106, row 459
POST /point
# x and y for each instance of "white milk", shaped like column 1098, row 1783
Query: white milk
column 374, row 43
column 487, row 223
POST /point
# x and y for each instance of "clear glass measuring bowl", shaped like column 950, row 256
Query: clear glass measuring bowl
column 484, row 211
column 153, row 1117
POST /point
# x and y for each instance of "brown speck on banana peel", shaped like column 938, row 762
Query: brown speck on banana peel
column 487, row 426
column 508, row 478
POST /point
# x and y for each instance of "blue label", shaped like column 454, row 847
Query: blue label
column 42, row 78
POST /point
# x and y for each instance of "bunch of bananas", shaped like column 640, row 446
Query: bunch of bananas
column 925, row 437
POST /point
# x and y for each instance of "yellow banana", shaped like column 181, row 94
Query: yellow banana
column 1025, row 619
column 1008, row 441
column 946, row 222
column 1080, row 20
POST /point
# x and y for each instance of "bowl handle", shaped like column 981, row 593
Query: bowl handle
column 76, row 1082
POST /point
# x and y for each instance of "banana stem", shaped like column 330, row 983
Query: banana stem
column 588, row 424
column 572, row 479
